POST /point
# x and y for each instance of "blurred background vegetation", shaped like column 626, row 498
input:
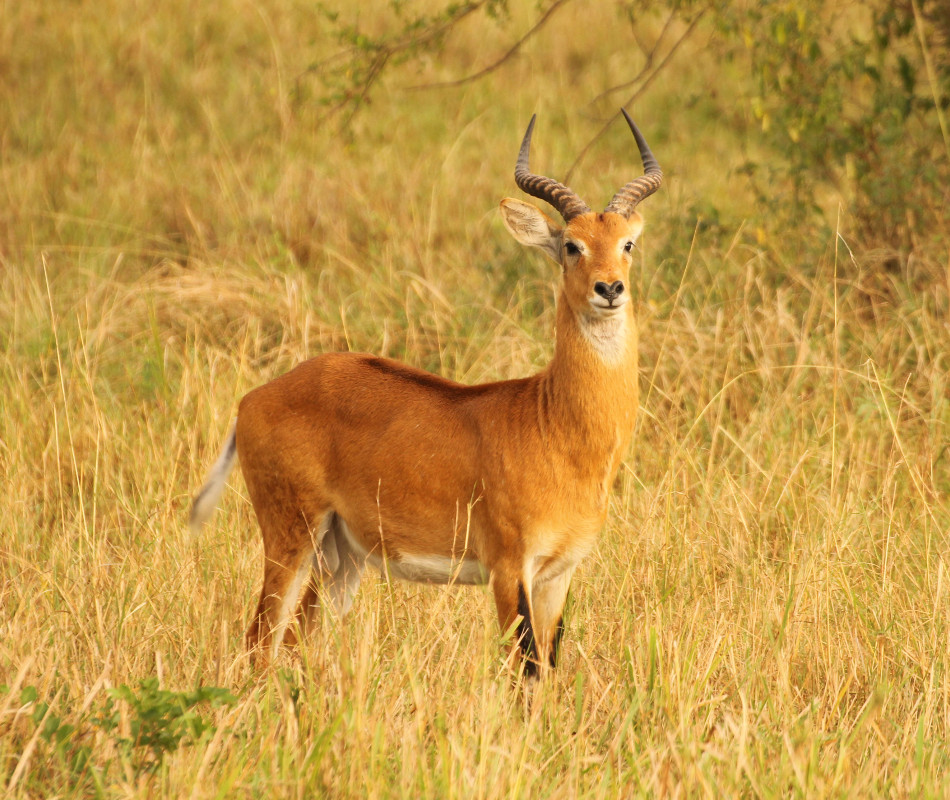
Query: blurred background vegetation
column 196, row 196
column 791, row 109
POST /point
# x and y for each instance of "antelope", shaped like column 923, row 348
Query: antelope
column 350, row 459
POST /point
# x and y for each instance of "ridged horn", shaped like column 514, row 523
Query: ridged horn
column 568, row 204
column 626, row 200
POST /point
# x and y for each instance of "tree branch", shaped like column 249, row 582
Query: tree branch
column 643, row 87
column 372, row 56
column 650, row 55
column 496, row 64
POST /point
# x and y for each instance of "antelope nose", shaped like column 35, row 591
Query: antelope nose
column 609, row 292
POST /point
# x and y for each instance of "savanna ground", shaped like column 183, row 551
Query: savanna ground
column 185, row 213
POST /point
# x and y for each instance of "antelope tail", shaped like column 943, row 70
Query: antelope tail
column 207, row 499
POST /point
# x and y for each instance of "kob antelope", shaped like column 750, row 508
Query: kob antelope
column 351, row 459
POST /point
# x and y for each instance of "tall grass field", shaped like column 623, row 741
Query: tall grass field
column 194, row 198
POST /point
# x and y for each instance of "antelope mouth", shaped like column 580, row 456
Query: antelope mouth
column 607, row 308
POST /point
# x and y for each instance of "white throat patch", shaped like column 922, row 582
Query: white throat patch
column 607, row 336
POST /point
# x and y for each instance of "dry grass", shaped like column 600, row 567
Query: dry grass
column 766, row 613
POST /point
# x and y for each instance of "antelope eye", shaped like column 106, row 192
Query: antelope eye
column 571, row 249
column 628, row 247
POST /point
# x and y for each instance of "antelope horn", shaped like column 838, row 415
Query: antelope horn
column 625, row 201
column 568, row 204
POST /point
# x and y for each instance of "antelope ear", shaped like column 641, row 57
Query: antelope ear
column 532, row 227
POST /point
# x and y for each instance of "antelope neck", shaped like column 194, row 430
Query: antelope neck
column 591, row 383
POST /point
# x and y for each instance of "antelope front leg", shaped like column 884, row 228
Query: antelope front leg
column 512, row 599
column 547, row 610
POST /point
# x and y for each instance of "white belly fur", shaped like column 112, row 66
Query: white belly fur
column 432, row 569
column 422, row 568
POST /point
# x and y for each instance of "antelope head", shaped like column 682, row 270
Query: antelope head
column 595, row 251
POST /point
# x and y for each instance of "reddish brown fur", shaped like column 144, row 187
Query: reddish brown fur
column 351, row 459
column 515, row 474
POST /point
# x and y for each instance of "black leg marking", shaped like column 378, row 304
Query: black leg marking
column 556, row 644
column 526, row 634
